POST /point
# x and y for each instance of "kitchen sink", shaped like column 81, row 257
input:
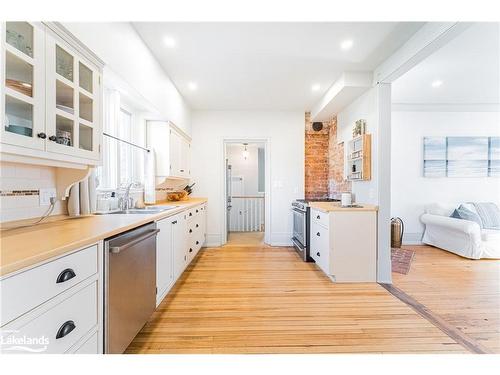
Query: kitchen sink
column 145, row 210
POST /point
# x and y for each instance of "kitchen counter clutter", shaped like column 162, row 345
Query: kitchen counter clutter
column 26, row 247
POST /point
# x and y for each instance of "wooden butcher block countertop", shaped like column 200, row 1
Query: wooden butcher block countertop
column 335, row 206
column 25, row 247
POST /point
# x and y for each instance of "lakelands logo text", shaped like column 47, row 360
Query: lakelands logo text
column 10, row 342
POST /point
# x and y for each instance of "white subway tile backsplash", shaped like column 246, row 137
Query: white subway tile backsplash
column 19, row 185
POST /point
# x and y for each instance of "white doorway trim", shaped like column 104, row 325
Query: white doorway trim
column 267, row 194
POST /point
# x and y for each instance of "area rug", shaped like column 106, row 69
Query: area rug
column 401, row 260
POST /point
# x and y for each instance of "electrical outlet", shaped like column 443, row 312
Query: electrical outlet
column 45, row 195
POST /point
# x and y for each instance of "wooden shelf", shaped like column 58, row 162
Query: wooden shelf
column 359, row 145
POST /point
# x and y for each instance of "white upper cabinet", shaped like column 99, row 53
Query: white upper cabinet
column 171, row 148
column 73, row 97
column 23, row 88
column 51, row 95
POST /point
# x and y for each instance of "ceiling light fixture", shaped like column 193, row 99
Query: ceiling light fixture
column 169, row 41
column 246, row 154
column 346, row 44
column 436, row 83
column 192, row 86
column 315, row 87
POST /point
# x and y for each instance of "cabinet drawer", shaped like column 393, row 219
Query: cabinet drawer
column 26, row 290
column 320, row 217
column 64, row 324
column 320, row 246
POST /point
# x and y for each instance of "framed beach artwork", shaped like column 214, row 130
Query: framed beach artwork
column 461, row 156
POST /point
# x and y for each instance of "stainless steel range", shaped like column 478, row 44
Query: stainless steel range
column 301, row 224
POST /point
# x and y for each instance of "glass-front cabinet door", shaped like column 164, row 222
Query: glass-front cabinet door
column 23, row 88
column 72, row 101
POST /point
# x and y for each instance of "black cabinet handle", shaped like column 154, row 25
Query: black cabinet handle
column 182, row 170
column 190, row 250
column 318, row 254
column 42, row 135
column 197, row 225
column 65, row 275
column 190, row 214
column 53, row 138
column 318, row 234
column 196, row 211
column 65, row 329
column 317, row 217
column 190, row 231
column 197, row 242
column 174, row 222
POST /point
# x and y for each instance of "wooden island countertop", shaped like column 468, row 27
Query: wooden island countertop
column 336, row 207
column 25, row 247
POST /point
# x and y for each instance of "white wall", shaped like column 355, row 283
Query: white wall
column 124, row 52
column 284, row 131
column 410, row 190
column 247, row 168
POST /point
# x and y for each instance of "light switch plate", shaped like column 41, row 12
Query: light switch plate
column 45, row 195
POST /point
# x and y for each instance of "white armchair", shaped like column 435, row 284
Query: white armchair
column 462, row 237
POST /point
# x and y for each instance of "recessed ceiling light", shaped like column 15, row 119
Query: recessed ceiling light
column 169, row 41
column 192, row 86
column 346, row 44
column 315, row 87
column 436, row 83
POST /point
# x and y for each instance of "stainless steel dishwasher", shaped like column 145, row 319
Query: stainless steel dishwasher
column 130, row 285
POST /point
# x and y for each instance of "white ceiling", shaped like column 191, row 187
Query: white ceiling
column 267, row 65
column 468, row 66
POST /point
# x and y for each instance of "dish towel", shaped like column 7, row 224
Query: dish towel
column 82, row 197
column 149, row 177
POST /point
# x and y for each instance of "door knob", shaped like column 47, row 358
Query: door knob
column 53, row 138
column 42, row 135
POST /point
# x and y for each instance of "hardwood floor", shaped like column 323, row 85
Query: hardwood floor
column 245, row 239
column 266, row 300
column 464, row 293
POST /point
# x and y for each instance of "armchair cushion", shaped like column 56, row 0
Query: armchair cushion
column 466, row 214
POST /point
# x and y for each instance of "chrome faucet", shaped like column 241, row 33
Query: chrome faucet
column 126, row 201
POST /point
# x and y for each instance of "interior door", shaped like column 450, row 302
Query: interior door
column 228, row 196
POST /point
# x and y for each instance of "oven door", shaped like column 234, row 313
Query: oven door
column 299, row 227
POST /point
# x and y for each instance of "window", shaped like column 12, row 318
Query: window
column 123, row 163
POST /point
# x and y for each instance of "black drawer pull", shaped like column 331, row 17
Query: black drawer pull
column 65, row 329
column 318, row 234
column 318, row 254
column 197, row 225
column 196, row 211
column 65, row 275
column 197, row 242
column 174, row 222
column 190, row 231
column 190, row 250
column 317, row 217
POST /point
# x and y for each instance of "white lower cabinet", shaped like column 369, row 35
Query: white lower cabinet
column 344, row 244
column 52, row 307
column 179, row 240
column 90, row 345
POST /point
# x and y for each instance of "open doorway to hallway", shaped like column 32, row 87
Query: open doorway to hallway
column 245, row 192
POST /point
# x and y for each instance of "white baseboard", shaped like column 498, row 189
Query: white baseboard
column 213, row 240
column 412, row 239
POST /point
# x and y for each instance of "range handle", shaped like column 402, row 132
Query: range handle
column 117, row 249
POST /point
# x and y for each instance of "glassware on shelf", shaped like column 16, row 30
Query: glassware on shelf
column 20, row 36
column 18, row 116
column 85, row 77
column 64, row 63
column 64, row 131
